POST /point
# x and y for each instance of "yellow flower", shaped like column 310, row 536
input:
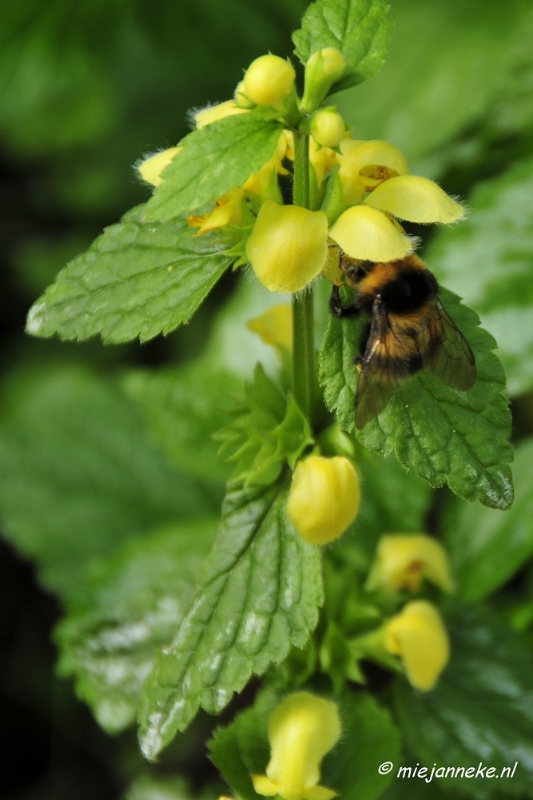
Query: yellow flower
column 274, row 327
column 324, row 498
column 417, row 634
column 227, row 211
column 403, row 561
column 288, row 246
column 213, row 113
column 368, row 234
column 151, row 168
column 327, row 127
column 268, row 80
column 301, row 730
column 363, row 165
column 264, row 181
column 415, row 199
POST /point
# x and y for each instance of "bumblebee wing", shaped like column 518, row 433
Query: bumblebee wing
column 446, row 352
column 384, row 366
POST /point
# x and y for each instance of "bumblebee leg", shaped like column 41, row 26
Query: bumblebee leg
column 336, row 307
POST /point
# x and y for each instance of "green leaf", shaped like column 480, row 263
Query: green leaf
column 184, row 407
column 443, row 435
column 258, row 593
column 391, row 497
column 458, row 60
column 351, row 768
column 486, row 547
column 489, row 259
column 267, row 431
column 214, row 159
column 360, row 29
column 79, row 474
column 133, row 605
column 481, row 709
column 138, row 279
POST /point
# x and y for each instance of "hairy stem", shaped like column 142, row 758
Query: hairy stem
column 303, row 372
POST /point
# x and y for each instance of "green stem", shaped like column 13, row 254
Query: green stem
column 303, row 371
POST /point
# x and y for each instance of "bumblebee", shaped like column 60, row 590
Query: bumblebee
column 408, row 330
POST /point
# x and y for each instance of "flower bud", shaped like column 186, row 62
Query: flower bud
column 323, row 69
column 301, row 730
column 151, row 168
column 211, row 114
column 403, row 561
column 288, row 246
column 417, row 634
column 327, row 127
column 324, row 498
column 268, row 80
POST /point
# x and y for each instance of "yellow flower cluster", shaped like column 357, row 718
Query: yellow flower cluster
column 288, row 246
column 417, row 634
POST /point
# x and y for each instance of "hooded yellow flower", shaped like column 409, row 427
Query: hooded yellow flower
column 417, row 634
column 364, row 165
column 374, row 178
column 274, row 327
column 227, row 211
column 324, row 498
column 404, row 560
column 288, row 246
column 301, row 730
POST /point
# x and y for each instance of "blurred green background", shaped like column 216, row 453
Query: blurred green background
column 88, row 87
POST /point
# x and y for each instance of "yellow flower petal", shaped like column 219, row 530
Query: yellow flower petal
column 322, row 159
column 288, row 246
column 402, row 562
column 301, row 731
column 367, row 234
column 264, row 786
column 415, row 199
column 332, row 271
column 227, row 211
column 151, row 168
column 417, row 634
column 364, row 164
column 324, row 498
column 213, row 113
column 360, row 154
column 274, row 326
